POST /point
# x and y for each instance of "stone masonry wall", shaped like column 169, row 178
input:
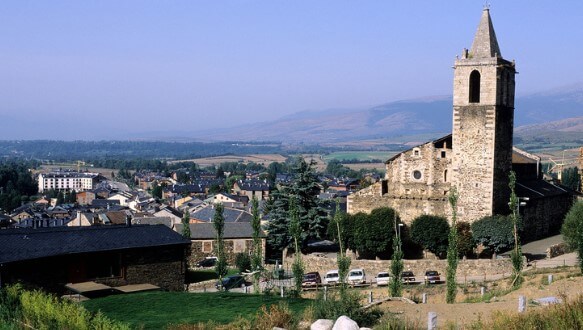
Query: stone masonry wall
column 469, row 267
column 162, row 266
column 408, row 207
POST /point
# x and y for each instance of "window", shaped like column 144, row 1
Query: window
column 207, row 247
column 445, row 176
column 416, row 152
column 475, row 87
column 443, row 154
column 239, row 246
column 417, row 175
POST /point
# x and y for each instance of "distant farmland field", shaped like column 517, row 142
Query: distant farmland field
column 360, row 155
column 263, row 159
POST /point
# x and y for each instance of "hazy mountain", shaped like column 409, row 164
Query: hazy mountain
column 428, row 116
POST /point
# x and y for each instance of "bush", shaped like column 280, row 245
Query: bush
column 465, row 240
column 243, row 262
column 43, row 311
column 374, row 233
column 349, row 304
column 495, row 233
column 572, row 229
column 431, row 233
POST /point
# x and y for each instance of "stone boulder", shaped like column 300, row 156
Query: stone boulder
column 345, row 323
column 322, row 324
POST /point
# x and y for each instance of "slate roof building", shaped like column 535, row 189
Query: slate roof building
column 238, row 239
column 476, row 158
column 49, row 258
column 207, row 213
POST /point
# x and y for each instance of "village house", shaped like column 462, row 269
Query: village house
column 259, row 189
column 238, row 239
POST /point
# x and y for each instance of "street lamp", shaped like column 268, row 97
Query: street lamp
column 399, row 233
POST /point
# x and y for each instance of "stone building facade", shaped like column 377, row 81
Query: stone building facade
column 476, row 158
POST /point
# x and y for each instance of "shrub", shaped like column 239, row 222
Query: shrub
column 43, row 311
column 374, row 233
column 349, row 304
column 465, row 241
column 243, row 262
column 494, row 232
column 431, row 233
column 572, row 229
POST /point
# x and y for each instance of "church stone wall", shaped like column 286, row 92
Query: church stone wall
column 408, row 207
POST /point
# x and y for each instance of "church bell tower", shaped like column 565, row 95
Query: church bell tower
column 483, row 121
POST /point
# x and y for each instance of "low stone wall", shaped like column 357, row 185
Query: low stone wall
column 557, row 250
column 468, row 267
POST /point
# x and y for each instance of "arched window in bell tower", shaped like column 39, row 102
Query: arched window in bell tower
column 475, row 87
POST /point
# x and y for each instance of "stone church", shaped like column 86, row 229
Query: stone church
column 476, row 158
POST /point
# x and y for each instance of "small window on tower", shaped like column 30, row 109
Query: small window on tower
column 443, row 154
column 416, row 152
column 417, row 175
column 475, row 87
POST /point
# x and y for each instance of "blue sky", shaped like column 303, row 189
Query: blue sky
column 142, row 66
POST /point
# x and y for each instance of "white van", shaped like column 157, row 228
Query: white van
column 332, row 277
column 356, row 276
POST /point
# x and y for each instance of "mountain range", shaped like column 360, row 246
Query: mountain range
column 558, row 111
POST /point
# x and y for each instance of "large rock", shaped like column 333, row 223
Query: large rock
column 345, row 323
column 322, row 324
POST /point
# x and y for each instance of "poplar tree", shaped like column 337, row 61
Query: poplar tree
column 395, row 284
column 295, row 232
column 516, row 254
column 257, row 257
column 186, row 225
column 219, row 248
column 452, row 249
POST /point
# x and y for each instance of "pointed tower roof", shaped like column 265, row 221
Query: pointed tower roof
column 485, row 42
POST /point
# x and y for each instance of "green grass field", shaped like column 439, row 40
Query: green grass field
column 156, row 310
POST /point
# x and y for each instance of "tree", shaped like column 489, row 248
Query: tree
column 219, row 224
column 572, row 230
column 313, row 222
column 570, row 177
column 305, row 187
column 257, row 256
column 278, row 236
column 157, row 190
column 494, row 233
column 342, row 260
column 295, row 232
column 60, row 198
column 395, row 284
column 186, row 225
column 431, row 232
column 452, row 250
column 516, row 254
column 373, row 234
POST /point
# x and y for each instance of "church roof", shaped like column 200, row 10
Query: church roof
column 485, row 43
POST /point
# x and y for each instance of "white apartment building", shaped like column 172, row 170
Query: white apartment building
column 67, row 181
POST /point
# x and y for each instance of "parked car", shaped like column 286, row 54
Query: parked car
column 207, row 262
column 356, row 276
column 233, row 281
column 311, row 279
column 332, row 277
column 432, row 276
column 408, row 277
column 383, row 278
